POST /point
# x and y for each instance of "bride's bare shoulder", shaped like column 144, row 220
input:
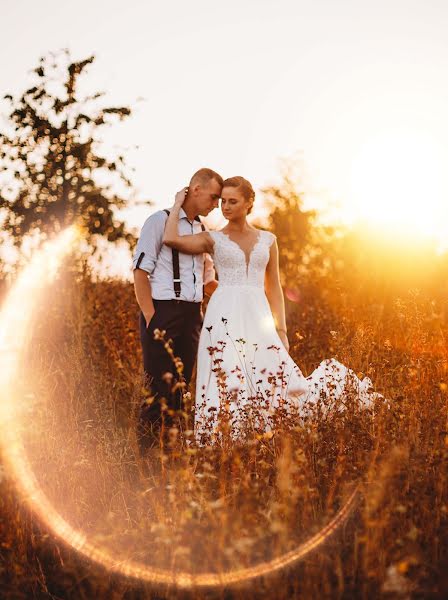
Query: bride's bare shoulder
column 263, row 230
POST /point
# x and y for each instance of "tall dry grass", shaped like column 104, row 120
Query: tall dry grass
column 226, row 507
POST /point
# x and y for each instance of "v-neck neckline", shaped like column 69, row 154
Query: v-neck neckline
column 247, row 258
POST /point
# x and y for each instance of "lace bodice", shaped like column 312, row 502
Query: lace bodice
column 230, row 259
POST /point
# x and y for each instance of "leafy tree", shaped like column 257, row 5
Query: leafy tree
column 51, row 174
column 292, row 224
column 303, row 259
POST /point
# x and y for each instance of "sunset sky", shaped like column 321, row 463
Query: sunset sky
column 359, row 89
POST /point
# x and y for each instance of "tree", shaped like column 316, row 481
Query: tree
column 303, row 257
column 51, row 174
column 292, row 225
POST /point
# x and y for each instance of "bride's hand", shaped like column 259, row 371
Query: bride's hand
column 180, row 197
column 284, row 338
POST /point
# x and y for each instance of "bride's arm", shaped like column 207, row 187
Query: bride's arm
column 189, row 244
column 274, row 294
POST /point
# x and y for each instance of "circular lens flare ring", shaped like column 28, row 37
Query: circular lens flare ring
column 15, row 316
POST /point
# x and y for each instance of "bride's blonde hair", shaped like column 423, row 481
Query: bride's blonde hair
column 246, row 188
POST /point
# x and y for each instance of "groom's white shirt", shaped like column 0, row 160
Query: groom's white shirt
column 195, row 270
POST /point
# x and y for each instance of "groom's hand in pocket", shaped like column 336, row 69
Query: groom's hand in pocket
column 148, row 316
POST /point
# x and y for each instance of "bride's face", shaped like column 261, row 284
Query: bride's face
column 233, row 203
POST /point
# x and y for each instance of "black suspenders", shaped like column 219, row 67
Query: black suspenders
column 176, row 270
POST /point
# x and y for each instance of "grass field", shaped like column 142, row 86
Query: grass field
column 224, row 508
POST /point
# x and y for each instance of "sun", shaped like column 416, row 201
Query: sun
column 398, row 183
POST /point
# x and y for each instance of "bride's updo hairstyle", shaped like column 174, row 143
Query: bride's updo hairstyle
column 245, row 187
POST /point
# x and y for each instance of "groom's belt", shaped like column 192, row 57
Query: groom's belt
column 177, row 301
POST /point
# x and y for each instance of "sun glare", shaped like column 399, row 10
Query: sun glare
column 398, row 184
column 15, row 315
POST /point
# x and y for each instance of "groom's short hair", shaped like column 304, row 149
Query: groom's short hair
column 204, row 175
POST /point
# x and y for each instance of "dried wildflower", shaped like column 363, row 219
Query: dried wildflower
column 167, row 377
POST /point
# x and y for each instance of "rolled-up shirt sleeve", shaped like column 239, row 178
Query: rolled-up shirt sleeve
column 209, row 269
column 149, row 242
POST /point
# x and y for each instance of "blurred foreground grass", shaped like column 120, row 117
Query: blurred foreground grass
column 217, row 509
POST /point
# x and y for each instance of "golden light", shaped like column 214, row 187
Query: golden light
column 15, row 317
column 399, row 185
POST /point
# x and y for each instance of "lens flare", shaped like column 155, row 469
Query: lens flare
column 15, row 317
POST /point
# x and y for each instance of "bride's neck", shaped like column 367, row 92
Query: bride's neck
column 238, row 226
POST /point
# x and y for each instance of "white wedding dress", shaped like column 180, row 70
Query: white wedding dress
column 243, row 369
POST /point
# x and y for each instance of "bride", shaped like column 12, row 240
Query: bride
column 244, row 370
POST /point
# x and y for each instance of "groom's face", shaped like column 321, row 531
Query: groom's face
column 207, row 197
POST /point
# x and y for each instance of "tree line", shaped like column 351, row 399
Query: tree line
column 53, row 174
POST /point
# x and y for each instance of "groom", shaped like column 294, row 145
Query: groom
column 169, row 290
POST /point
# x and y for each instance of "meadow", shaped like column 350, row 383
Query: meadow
column 227, row 507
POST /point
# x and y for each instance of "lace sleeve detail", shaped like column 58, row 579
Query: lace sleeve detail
column 269, row 238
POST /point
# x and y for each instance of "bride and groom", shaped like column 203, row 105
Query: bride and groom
column 244, row 370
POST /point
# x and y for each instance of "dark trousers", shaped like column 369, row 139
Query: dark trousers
column 182, row 322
